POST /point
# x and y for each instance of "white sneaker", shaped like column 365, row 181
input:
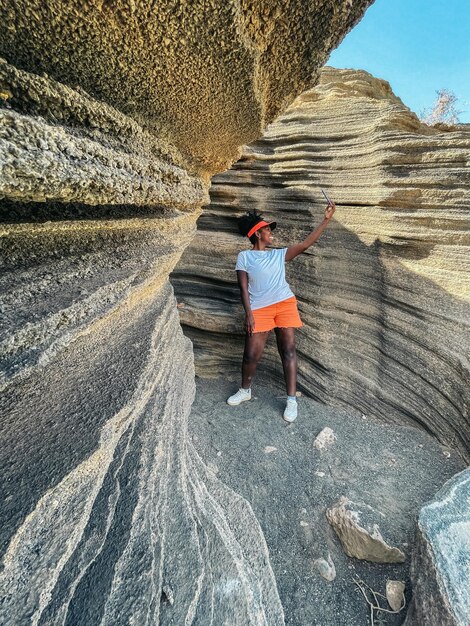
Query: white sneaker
column 242, row 395
column 290, row 412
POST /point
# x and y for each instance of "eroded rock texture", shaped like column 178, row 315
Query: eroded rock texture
column 128, row 516
column 107, row 509
column 441, row 561
column 113, row 117
column 384, row 294
column 203, row 76
column 60, row 144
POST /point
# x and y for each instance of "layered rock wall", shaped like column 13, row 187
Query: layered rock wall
column 130, row 525
column 384, row 294
column 113, row 117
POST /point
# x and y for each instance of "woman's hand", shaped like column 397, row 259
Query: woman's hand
column 250, row 323
column 330, row 209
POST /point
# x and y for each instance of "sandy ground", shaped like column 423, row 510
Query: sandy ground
column 290, row 484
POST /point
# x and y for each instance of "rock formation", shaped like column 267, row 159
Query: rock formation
column 384, row 294
column 440, row 564
column 358, row 527
column 204, row 77
column 126, row 509
column 114, row 116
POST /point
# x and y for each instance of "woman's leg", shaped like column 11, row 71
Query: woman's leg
column 286, row 345
column 254, row 346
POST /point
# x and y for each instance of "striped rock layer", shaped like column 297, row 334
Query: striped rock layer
column 113, row 117
column 130, row 526
column 384, row 294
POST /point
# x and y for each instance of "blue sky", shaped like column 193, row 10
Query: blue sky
column 418, row 46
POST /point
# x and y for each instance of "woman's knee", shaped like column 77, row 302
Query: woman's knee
column 251, row 357
column 288, row 353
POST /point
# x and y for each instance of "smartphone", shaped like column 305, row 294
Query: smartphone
column 326, row 197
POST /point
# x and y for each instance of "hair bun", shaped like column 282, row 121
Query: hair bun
column 247, row 221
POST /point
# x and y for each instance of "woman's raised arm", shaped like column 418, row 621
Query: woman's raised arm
column 298, row 248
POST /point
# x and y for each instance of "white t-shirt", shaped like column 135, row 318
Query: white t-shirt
column 266, row 276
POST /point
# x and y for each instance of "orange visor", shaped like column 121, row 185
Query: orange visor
column 259, row 225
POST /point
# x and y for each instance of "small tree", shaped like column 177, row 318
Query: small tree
column 443, row 110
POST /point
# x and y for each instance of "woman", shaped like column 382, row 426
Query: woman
column 269, row 303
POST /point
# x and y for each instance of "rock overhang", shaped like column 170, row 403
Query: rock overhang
column 202, row 76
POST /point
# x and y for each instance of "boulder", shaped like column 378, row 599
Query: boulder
column 440, row 571
column 325, row 439
column 326, row 568
column 357, row 526
column 395, row 594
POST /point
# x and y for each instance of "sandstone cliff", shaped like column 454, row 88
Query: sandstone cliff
column 384, row 294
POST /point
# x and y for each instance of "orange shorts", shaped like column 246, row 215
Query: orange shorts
column 283, row 314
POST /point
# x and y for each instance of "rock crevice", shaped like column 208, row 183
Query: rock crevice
column 113, row 118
